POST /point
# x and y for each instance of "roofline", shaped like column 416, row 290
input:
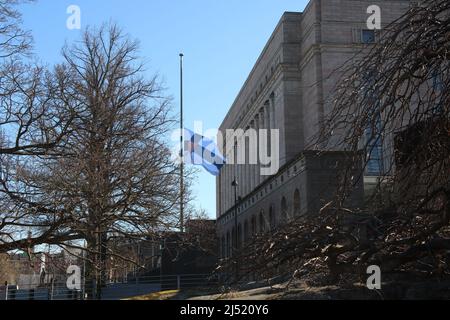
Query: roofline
column 266, row 47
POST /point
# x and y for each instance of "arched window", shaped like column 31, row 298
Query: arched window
column 223, row 247
column 254, row 226
column 233, row 241
column 297, row 202
column 228, row 245
column 262, row 222
column 246, row 232
column 239, row 236
column 272, row 220
column 284, row 210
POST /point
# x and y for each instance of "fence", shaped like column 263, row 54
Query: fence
column 120, row 289
column 39, row 293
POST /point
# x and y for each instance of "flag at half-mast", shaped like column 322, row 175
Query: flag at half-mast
column 202, row 151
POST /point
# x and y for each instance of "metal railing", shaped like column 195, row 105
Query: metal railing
column 114, row 290
column 40, row 293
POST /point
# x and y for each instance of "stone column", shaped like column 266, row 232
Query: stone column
column 241, row 173
column 256, row 166
column 261, row 126
column 266, row 109
column 247, row 183
column 222, row 176
column 226, row 188
column 252, row 166
column 230, row 186
column 272, row 112
column 268, row 124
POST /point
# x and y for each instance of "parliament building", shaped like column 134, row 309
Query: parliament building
column 290, row 89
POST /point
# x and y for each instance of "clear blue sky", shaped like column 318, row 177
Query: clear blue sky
column 221, row 40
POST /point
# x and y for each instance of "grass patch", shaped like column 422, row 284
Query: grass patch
column 162, row 295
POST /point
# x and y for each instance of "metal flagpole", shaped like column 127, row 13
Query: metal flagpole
column 182, row 147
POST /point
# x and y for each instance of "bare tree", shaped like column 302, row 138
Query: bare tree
column 201, row 232
column 29, row 123
column 34, row 119
column 83, row 153
column 395, row 99
column 13, row 39
column 117, row 178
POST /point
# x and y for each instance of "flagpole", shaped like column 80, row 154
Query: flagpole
column 182, row 147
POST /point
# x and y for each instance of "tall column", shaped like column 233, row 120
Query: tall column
column 251, row 166
column 225, row 178
column 261, row 126
column 227, row 187
column 247, row 166
column 272, row 112
column 236, row 169
column 267, row 115
column 255, row 166
column 241, row 171
column 222, row 176
column 230, row 188
column 267, row 125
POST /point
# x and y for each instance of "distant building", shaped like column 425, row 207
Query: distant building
column 169, row 253
column 41, row 269
column 194, row 252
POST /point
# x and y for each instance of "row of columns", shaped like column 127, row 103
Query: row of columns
column 248, row 175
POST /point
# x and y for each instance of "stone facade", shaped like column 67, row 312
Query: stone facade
column 290, row 89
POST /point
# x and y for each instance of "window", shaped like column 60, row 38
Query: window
column 284, row 210
column 254, row 228
column 438, row 86
column 373, row 132
column 247, row 235
column 297, row 202
column 272, row 221
column 239, row 237
column 228, row 245
column 374, row 150
column 262, row 222
column 438, row 82
column 233, row 241
column 368, row 36
column 223, row 247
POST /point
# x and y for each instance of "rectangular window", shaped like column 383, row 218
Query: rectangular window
column 368, row 36
column 373, row 140
column 438, row 88
column 374, row 154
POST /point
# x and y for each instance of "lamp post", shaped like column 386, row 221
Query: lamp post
column 182, row 147
column 235, row 185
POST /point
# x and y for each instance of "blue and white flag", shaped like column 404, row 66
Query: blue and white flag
column 202, row 151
